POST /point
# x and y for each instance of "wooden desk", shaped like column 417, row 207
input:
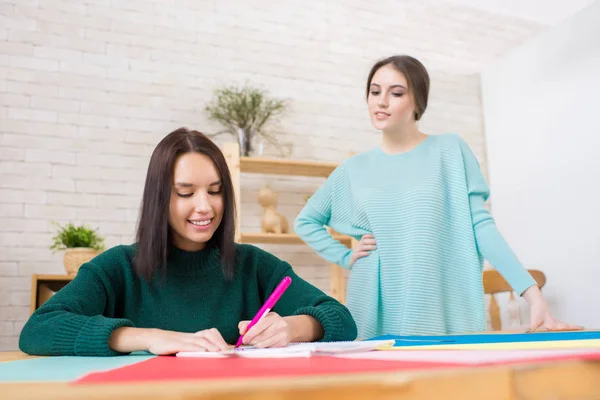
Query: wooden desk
column 561, row 380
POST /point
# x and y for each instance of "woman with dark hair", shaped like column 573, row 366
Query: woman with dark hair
column 421, row 199
column 184, row 285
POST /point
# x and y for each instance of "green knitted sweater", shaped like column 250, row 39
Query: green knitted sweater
column 193, row 295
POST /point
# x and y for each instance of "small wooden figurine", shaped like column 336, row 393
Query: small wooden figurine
column 272, row 220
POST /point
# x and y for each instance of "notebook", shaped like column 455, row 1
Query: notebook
column 294, row 350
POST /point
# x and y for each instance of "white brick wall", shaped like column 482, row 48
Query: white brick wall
column 88, row 88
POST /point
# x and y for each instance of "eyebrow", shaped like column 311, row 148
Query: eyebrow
column 185, row 184
column 391, row 87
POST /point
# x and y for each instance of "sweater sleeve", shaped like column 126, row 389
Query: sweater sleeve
column 302, row 298
column 490, row 242
column 316, row 214
column 71, row 322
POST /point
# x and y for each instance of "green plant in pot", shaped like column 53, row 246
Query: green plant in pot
column 245, row 114
column 80, row 244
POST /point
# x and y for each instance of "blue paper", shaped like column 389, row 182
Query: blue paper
column 403, row 341
column 64, row 368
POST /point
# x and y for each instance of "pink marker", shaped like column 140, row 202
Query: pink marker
column 269, row 304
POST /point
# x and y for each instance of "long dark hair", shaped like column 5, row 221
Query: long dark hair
column 154, row 233
column 416, row 76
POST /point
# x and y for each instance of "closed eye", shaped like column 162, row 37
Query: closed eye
column 185, row 194
column 216, row 189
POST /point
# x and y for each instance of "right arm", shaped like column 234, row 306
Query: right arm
column 158, row 341
column 310, row 226
column 72, row 322
column 316, row 214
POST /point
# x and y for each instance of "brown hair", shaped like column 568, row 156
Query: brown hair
column 416, row 76
column 154, row 238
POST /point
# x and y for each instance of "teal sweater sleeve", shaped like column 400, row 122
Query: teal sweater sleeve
column 71, row 323
column 316, row 214
column 490, row 242
column 302, row 298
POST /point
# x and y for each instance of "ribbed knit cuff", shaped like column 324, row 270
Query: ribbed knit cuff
column 346, row 259
column 525, row 284
column 333, row 326
column 87, row 336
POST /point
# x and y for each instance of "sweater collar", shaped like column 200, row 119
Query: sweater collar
column 192, row 263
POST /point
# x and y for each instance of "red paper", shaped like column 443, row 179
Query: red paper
column 178, row 368
column 170, row 368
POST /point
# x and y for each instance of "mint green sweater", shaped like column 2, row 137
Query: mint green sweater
column 426, row 211
column 194, row 295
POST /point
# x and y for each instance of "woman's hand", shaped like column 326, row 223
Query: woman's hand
column 271, row 331
column 364, row 247
column 276, row 331
column 162, row 342
column 541, row 319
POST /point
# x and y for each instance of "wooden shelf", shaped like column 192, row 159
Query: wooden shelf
column 273, row 166
column 284, row 238
column 61, row 278
column 44, row 286
column 286, row 167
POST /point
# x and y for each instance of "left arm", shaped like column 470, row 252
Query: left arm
column 325, row 318
column 303, row 314
column 490, row 243
column 304, row 328
column 496, row 250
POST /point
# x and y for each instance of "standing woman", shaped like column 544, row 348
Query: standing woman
column 416, row 202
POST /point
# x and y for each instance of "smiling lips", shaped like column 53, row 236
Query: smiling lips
column 380, row 115
column 200, row 224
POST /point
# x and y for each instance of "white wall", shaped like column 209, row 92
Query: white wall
column 88, row 88
column 547, row 12
column 541, row 113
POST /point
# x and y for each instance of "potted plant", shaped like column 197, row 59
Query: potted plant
column 245, row 113
column 80, row 244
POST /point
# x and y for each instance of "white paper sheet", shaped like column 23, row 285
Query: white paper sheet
column 295, row 350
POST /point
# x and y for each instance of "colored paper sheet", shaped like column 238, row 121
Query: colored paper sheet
column 53, row 369
column 470, row 339
column 477, row 357
column 181, row 368
column 198, row 369
column 528, row 345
